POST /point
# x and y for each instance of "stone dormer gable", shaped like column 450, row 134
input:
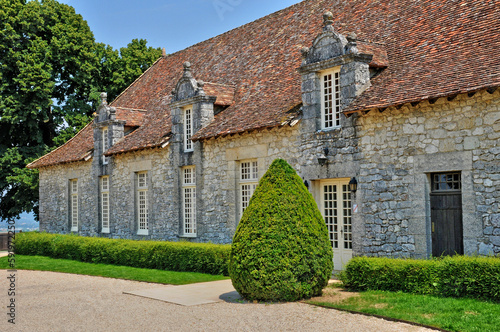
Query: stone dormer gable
column 194, row 105
column 105, row 112
column 327, row 45
column 187, row 87
column 107, row 130
column 334, row 72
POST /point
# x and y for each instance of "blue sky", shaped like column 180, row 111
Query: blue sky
column 173, row 25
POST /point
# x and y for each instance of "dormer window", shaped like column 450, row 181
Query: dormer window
column 330, row 99
column 105, row 145
column 188, row 128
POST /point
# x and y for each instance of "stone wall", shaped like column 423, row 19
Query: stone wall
column 391, row 153
column 54, row 198
column 221, row 157
column 162, row 208
column 401, row 147
column 217, row 187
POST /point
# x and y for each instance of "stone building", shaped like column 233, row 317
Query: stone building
column 398, row 96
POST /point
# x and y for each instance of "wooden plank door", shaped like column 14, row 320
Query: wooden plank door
column 446, row 215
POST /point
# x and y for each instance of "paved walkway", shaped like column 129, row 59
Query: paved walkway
column 193, row 294
column 47, row 301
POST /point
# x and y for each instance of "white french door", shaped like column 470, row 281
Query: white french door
column 336, row 207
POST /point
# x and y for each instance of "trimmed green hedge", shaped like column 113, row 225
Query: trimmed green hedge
column 171, row 256
column 281, row 250
column 457, row 276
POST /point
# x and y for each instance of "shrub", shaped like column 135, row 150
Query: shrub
column 457, row 276
column 172, row 256
column 281, row 250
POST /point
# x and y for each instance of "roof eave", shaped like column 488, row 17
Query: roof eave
column 368, row 108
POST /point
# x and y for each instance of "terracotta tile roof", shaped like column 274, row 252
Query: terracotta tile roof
column 380, row 59
column 132, row 117
column 154, row 132
column 224, row 93
column 79, row 148
column 432, row 48
column 435, row 48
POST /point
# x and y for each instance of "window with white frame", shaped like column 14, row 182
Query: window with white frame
column 105, row 145
column 189, row 201
column 248, row 182
column 73, row 190
column 142, row 203
column 105, row 204
column 330, row 99
column 188, row 129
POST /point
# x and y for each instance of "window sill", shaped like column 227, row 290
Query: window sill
column 189, row 236
column 328, row 130
column 105, row 231
column 143, row 232
column 73, row 229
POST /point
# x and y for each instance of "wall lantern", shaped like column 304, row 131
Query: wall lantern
column 353, row 185
column 322, row 159
column 306, row 184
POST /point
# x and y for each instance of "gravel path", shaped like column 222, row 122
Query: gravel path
column 47, row 301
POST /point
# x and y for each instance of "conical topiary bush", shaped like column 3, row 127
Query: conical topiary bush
column 281, row 251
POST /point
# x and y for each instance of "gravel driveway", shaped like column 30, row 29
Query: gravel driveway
column 47, row 301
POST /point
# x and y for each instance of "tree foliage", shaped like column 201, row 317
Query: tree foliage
column 281, row 251
column 51, row 73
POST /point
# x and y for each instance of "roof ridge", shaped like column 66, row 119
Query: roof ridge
column 60, row 147
column 131, row 109
column 226, row 85
column 236, row 28
column 137, row 79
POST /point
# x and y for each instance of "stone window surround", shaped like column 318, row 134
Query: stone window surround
column 73, row 188
column 105, row 144
column 332, row 64
column 194, row 103
column 105, row 196
column 251, row 182
column 420, row 224
column 335, row 101
column 187, row 120
column 258, row 152
column 138, row 190
column 191, row 187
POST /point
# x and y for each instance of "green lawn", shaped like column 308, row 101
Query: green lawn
column 41, row 263
column 446, row 313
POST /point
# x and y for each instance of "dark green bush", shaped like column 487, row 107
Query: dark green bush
column 457, row 276
column 172, row 256
column 281, row 250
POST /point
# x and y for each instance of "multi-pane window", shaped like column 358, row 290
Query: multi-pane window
column 337, row 207
column 347, row 216
column 105, row 145
column 188, row 129
column 73, row 189
column 330, row 97
column 105, row 204
column 248, row 182
column 142, row 203
column 189, row 201
column 330, row 211
column 446, row 181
